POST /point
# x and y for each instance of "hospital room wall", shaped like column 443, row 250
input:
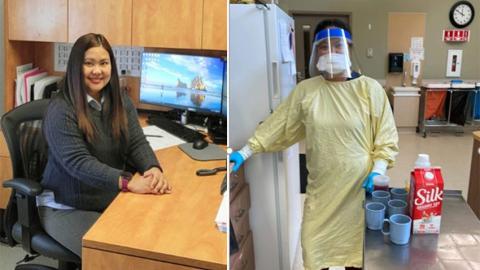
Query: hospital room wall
column 375, row 12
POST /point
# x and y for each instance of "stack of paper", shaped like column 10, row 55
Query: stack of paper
column 222, row 215
column 31, row 82
column 159, row 138
column 40, row 87
column 20, row 95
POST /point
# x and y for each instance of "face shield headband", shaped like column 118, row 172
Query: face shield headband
column 333, row 33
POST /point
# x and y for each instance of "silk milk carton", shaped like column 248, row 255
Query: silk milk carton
column 425, row 200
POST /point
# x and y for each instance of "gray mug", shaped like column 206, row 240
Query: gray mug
column 399, row 194
column 399, row 228
column 381, row 196
column 375, row 214
column 397, row 207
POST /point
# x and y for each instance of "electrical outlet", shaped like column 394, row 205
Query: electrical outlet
column 369, row 52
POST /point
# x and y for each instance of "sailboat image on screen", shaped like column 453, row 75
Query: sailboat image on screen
column 186, row 82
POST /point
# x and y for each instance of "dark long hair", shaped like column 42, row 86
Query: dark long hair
column 75, row 90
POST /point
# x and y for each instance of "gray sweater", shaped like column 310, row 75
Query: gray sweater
column 83, row 175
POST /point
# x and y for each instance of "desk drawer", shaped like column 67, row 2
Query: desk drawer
column 237, row 180
column 240, row 204
column 94, row 259
column 244, row 259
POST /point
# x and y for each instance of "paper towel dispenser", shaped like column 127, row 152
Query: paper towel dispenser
column 395, row 62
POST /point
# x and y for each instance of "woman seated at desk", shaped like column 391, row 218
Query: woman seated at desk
column 93, row 139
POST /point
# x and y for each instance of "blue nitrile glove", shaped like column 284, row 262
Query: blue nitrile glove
column 237, row 160
column 368, row 182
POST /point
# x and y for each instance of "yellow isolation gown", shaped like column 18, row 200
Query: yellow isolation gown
column 347, row 126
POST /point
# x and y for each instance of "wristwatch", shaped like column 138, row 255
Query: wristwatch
column 125, row 178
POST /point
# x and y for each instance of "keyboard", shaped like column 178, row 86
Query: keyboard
column 176, row 129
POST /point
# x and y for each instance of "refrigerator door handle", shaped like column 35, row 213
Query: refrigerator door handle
column 276, row 80
column 280, row 156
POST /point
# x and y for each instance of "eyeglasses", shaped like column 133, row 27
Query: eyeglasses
column 205, row 172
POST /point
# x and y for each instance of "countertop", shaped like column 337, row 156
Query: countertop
column 456, row 247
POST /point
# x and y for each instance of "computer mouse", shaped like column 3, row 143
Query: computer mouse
column 199, row 144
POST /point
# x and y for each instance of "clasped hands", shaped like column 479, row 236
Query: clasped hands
column 152, row 181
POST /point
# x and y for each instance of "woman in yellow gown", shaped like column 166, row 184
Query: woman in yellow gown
column 350, row 136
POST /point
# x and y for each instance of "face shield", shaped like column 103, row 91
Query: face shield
column 330, row 56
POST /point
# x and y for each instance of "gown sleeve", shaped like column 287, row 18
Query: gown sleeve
column 284, row 127
column 385, row 135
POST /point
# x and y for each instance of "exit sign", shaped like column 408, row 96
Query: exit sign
column 456, row 35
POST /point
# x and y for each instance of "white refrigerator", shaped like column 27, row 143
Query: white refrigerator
column 261, row 75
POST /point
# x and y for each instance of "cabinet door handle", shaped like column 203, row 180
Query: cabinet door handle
column 239, row 214
column 478, row 150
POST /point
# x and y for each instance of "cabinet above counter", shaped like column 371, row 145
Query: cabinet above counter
column 180, row 24
column 40, row 20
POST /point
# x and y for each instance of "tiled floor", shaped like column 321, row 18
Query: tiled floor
column 452, row 152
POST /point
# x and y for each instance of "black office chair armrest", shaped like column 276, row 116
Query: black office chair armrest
column 24, row 193
column 24, row 186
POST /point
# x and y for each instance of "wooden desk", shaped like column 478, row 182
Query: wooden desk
column 175, row 231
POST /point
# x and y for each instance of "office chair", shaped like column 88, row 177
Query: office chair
column 28, row 152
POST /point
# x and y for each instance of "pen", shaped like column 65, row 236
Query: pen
column 157, row 136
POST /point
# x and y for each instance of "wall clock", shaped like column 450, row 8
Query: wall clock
column 462, row 14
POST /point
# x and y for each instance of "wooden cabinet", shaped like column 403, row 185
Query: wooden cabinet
column 239, row 206
column 112, row 18
column 244, row 259
column 180, row 24
column 39, row 20
column 237, row 181
column 5, row 172
column 214, row 36
column 168, row 24
column 189, row 25
column 239, row 214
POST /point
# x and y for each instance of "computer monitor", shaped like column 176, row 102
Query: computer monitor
column 187, row 82
column 224, row 94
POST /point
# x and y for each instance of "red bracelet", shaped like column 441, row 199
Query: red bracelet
column 125, row 178
column 124, row 184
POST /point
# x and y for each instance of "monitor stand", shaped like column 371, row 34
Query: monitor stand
column 184, row 117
